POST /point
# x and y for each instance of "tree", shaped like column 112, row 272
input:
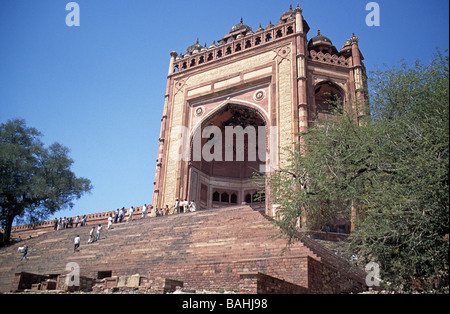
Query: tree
column 35, row 181
column 393, row 169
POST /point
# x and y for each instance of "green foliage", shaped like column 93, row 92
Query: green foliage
column 393, row 169
column 35, row 181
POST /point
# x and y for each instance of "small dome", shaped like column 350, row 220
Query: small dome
column 347, row 43
column 213, row 45
column 194, row 47
column 259, row 29
column 240, row 27
column 288, row 13
column 318, row 38
column 270, row 25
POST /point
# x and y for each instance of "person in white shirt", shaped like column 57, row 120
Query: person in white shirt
column 76, row 243
column 91, row 235
column 144, row 211
column 110, row 221
column 192, row 206
column 99, row 228
column 121, row 214
column 183, row 205
column 130, row 214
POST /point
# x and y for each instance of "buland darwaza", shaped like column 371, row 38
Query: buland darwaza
column 229, row 111
column 273, row 79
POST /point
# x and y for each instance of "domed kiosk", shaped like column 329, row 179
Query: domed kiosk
column 241, row 27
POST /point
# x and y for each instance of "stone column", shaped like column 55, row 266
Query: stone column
column 359, row 77
column 301, row 72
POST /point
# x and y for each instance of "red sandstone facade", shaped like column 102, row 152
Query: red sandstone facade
column 273, row 79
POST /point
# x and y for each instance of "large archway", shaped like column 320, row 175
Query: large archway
column 228, row 148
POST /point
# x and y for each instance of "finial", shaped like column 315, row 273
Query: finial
column 242, row 20
column 318, row 31
column 290, row 7
column 197, row 41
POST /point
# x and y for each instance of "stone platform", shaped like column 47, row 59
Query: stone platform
column 211, row 249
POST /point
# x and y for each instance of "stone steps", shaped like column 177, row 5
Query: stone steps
column 204, row 249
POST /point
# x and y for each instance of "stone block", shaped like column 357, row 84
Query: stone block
column 132, row 281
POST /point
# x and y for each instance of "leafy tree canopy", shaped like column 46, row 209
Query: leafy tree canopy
column 35, row 181
column 391, row 172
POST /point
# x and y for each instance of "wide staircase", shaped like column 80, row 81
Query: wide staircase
column 207, row 249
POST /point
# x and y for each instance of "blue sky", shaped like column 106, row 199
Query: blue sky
column 99, row 88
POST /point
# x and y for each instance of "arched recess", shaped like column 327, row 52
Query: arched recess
column 227, row 147
column 223, row 106
column 329, row 100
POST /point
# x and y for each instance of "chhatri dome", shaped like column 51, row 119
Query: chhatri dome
column 240, row 27
column 319, row 38
column 194, row 47
column 290, row 14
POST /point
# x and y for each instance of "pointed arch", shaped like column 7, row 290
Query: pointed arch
column 232, row 175
column 222, row 107
column 328, row 97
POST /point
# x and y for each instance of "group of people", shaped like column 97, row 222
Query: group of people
column 180, row 206
column 119, row 214
column 93, row 236
column 184, row 206
column 63, row 223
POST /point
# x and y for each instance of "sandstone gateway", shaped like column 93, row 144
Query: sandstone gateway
column 260, row 87
column 272, row 79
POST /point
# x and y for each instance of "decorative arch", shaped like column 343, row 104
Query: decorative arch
column 328, row 97
column 227, row 181
column 222, row 107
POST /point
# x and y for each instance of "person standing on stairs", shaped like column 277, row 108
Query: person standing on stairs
column 99, row 228
column 144, row 211
column 110, row 221
column 24, row 253
column 91, row 235
column 121, row 214
column 76, row 243
column 176, row 207
column 130, row 214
